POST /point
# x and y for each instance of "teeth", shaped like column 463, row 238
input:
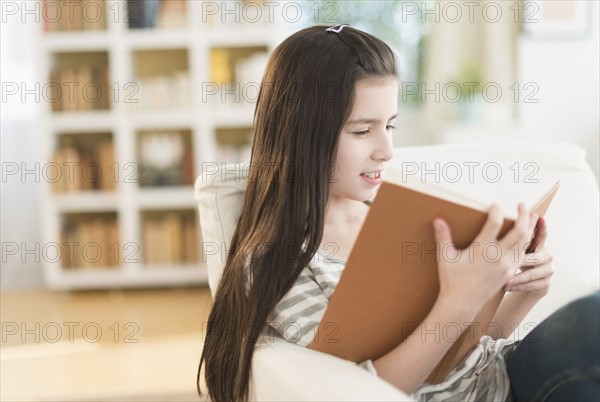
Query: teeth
column 372, row 175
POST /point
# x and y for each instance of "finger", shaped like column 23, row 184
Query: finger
column 539, row 257
column 539, row 237
column 520, row 233
column 535, row 286
column 533, row 218
column 531, row 275
column 443, row 237
column 441, row 231
column 492, row 225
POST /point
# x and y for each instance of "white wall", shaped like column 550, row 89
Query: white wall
column 567, row 72
column 20, row 207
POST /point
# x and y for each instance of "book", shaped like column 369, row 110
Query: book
column 390, row 280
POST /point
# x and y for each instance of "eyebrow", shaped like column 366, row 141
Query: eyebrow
column 367, row 120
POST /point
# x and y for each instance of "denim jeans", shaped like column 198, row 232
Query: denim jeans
column 560, row 359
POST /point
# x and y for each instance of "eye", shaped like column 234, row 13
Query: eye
column 391, row 127
column 362, row 133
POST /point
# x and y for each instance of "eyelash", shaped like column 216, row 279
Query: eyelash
column 363, row 133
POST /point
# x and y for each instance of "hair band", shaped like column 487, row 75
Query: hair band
column 339, row 28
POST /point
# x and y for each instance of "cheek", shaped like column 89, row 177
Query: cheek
column 345, row 162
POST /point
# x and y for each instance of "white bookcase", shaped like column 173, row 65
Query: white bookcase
column 208, row 123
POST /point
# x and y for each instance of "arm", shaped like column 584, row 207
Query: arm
column 527, row 287
column 410, row 363
column 512, row 310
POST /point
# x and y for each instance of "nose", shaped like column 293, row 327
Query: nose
column 384, row 149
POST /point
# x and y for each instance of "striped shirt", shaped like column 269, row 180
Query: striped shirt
column 480, row 376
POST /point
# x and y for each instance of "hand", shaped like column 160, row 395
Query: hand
column 472, row 278
column 536, row 271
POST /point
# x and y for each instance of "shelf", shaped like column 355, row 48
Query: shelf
column 122, row 277
column 76, row 41
column 84, row 122
column 85, row 201
column 169, row 64
column 175, row 197
column 167, row 119
column 161, row 38
column 231, row 115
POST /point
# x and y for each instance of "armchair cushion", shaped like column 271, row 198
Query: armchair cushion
column 503, row 173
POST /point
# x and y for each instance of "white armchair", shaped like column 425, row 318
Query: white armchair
column 503, row 173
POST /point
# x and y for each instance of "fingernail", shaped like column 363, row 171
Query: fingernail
column 437, row 224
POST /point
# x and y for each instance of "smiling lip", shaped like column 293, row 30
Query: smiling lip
column 375, row 180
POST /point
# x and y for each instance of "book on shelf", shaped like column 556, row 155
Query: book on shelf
column 106, row 163
column 170, row 239
column 220, row 67
column 156, row 13
column 74, row 15
column 90, row 242
column 390, row 280
column 81, row 168
column 190, row 247
column 80, row 88
column 189, row 174
column 162, row 92
column 171, row 14
column 67, row 180
column 165, row 159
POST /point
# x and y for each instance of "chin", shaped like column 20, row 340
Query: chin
column 365, row 196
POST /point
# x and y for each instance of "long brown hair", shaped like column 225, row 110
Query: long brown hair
column 306, row 95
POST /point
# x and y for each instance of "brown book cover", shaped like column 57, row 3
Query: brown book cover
column 87, row 172
column 55, row 90
column 173, row 231
column 72, row 173
column 188, row 166
column 190, row 242
column 149, row 242
column 86, row 99
column 96, row 253
column 390, row 281
column 106, row 161
column 59, row 182
column 69, row 100
column 111, row 243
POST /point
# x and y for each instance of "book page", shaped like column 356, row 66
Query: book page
column 478, row 195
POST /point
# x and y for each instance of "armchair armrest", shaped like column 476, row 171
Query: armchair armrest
column 301, row 374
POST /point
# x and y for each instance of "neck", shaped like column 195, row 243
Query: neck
column 342, row 211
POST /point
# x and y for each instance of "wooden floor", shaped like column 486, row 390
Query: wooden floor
column 102, row 345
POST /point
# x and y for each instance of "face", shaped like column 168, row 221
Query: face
column 365, row 143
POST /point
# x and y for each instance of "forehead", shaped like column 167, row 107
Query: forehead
column 374, row 100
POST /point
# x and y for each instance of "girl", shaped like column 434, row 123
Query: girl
column 323, row 123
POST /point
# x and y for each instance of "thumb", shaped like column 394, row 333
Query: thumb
column 443, row 239
column 442, row 233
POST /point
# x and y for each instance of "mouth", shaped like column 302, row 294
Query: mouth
column 375, row 175
column 372, row 178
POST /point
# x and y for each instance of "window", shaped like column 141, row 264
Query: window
column 397, row 22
